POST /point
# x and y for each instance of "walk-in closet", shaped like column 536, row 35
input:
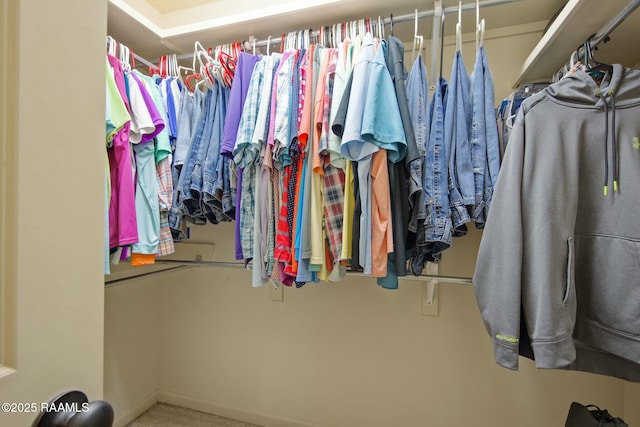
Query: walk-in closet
column 329, row 213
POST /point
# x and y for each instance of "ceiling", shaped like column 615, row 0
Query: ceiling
column 164, row 6
column 152, row 28
column 174, row 30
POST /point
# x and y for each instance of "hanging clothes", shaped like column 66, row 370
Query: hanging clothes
column 294, row 150
column 398, row 172
column 237, row 98
column 117, row 118
column 572, row 268
column 163, row 159
column 457, row 122
column 123, row 227
column 148, row 124
column 418, row 103
column 485, row 147
column 438, row 229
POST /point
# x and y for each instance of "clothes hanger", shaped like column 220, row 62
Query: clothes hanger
column 112, row 46
column 595, row 69
column 416, row 38
column 459, row 28
column 441, row 44
column 175, row 70
column 268, row 45
column 124, row 57
column 209, row 68
column 227, row 67
column 189, row 78
column 479, row 27
column 435, row 43
column 391, row 23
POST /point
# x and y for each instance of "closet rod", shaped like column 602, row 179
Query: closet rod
column 115, row 282
column 396, row 19
column 143, row 61
column 602, row 35
column 241, row 265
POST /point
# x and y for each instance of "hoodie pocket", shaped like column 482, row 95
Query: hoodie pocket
column 571, row 274
column 608, row 283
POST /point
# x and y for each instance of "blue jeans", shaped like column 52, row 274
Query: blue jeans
column 456, row 134
column 438, row 228
column 191, row 116
column 493, row 141
column 485, row 146
column 418, row 100
column 191, row 185
column 214, row 175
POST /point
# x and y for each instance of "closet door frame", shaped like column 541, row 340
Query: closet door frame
column 8, row 180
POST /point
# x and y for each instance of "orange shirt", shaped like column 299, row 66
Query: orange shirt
column 381, row 229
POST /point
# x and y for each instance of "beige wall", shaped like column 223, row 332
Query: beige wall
column 132, row 344
column 60, row 121
column 8, row 178
column 346, row 354
column 350, row 354
column 631, row 406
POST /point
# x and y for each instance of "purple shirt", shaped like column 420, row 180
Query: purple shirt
column 237, row 96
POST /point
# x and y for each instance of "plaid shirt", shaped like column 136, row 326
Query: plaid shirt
column 245, row 155
column 334, row 180
column 333, row 209
column 283, row 88
column 328, row 100
column 165, row 196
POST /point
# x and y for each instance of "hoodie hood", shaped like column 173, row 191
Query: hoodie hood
column 616, row 90
column 580, row 90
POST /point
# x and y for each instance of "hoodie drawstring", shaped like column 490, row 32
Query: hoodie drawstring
column 614, row 147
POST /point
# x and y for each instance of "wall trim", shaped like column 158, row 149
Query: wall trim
column 9, row 36
column 138, row 409
column 225, row 410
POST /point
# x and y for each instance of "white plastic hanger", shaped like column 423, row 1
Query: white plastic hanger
column 417, row 39
column 268, row 45
column 438, row 16
column 479, row 27
column 459, row 28
column 112, row 46
column 124, row 56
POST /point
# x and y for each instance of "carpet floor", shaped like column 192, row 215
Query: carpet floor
column 162, row 415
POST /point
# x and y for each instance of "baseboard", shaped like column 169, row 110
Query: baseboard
column 224, row 410
column 137, row 410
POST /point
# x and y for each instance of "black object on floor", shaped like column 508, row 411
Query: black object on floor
column 591, row 416
column 72, row 409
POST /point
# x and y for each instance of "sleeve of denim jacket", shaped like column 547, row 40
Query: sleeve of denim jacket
column 497, row 278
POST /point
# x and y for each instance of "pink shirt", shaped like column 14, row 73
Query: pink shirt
column 123, row 227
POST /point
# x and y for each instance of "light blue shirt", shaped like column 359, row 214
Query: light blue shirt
column 381, row 120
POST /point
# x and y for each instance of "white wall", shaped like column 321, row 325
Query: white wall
column 352, row 354
column 58, row 256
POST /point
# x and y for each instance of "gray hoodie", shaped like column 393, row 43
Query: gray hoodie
column 562, row 239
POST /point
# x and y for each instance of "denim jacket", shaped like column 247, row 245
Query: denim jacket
column 438, row 223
